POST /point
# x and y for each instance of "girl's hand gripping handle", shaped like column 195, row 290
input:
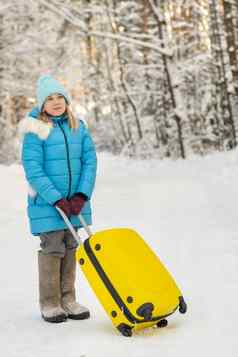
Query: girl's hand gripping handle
column 71, row 228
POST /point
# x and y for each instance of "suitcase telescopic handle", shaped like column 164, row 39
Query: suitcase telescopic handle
column 70, row 226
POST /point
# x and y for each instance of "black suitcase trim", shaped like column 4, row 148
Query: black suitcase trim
column 122, row 306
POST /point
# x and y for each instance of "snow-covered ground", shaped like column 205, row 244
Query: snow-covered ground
column 186, row 210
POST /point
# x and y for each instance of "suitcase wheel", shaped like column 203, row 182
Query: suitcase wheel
column 182, row 305
column 125, row 330
column 146, row 311
column 162, row 323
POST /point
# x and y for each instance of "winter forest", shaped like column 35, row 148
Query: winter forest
column 153, row 78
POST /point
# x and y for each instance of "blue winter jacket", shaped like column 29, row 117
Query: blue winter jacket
column 58, row 162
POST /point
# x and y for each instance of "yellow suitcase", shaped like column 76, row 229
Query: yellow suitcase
column 129, row 280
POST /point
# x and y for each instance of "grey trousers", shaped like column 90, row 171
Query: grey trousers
column 56, row 242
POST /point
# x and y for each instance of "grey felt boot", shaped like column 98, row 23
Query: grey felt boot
column 68, row 301
column 49, row 288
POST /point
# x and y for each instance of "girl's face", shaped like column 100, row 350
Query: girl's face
column 55, row 104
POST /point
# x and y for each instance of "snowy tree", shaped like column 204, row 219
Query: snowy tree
column 32, row 42
column 226, row 130
column 154, row 77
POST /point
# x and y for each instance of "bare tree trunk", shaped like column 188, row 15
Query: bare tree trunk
column 151, row 99
column 229, row 132
column 92, row 58
column 167, row 63
column 126, row 91
column 231, row 26
column 112, row 84
column 1, row 66
column 125, row 87
column 121, row 105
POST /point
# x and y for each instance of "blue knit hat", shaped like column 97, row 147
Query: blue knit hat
column 47, row 85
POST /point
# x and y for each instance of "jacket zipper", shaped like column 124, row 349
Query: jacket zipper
column 117, row 298
column 68, row 161
column 34, row 199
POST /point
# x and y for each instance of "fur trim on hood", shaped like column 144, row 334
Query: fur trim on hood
column 35, row 126
column 38, row 127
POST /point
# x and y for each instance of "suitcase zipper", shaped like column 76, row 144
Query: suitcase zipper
column 122, row 306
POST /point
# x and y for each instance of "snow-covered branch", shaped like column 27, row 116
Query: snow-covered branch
column 166, row 52
column 67, row 14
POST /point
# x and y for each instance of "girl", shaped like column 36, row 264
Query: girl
column 59, row 161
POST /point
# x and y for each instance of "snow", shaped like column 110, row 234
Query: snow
column 186, row 211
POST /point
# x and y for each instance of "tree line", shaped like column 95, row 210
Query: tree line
column 155, row 78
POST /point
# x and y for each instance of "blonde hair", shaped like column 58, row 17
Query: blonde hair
column 73, row 122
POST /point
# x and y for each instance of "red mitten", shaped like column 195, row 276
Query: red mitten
column 64, row 205
column 76, row 203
